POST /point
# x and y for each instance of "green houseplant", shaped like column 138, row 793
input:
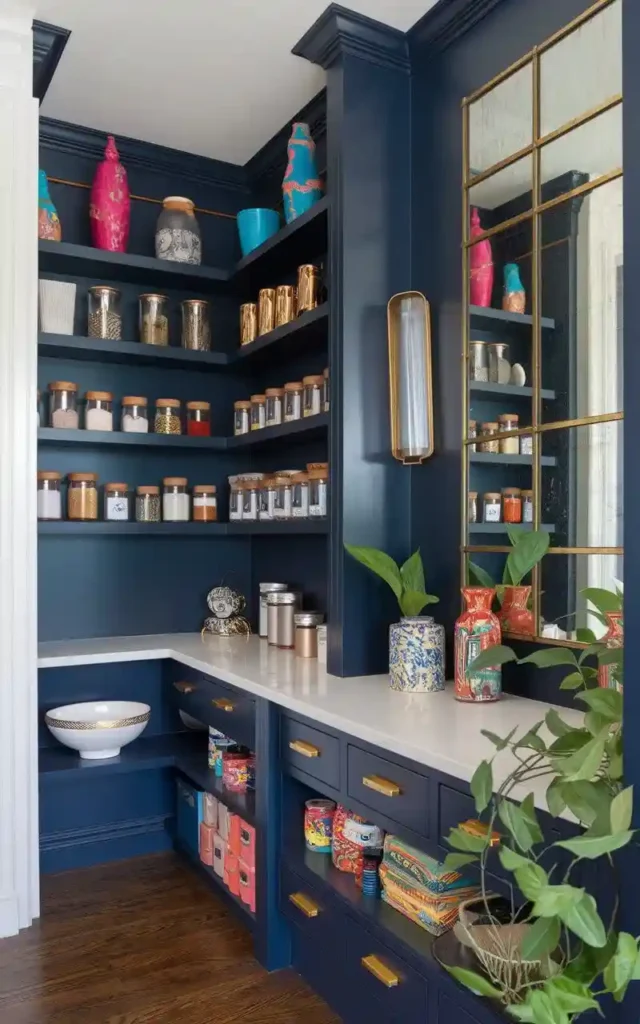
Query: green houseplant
column 580, row 955
column 527, row 549
column 416, row 643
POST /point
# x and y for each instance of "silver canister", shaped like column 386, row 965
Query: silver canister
column 281, row 608
column 478, row 361
column 267, row 588
column 499, row 365
column 306, row 642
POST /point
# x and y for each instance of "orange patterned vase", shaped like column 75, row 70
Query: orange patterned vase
column 614, row 637
column 515, row 616
column 476, row 629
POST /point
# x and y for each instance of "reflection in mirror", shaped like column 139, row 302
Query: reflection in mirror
column 581, row 273
column 583, row 70
column 512, row 182
column 565, row 611
column 593, row 149
column 500, row 122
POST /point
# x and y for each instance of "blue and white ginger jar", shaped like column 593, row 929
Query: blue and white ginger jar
column 416, row 655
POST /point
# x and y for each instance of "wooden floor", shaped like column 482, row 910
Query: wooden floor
column 144, row 941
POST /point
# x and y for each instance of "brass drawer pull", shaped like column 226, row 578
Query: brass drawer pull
column 380, row 971
column 185, row 687
column 223, row 704
column 380, row 785
column 306, row 749
column 304, row 903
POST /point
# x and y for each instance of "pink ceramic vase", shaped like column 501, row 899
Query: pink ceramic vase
column 110, row 208
column 480, row 265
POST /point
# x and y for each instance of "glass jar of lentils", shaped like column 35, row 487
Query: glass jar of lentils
column 148, row 504
column 196, row 328
column 82, row 496
column 167, row 420
column 105, row 320
column 154, row 320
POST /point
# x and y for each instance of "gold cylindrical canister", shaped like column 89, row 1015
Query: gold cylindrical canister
column 266, row 310
column 308, row 287
column 248, row 322
column 285, row 304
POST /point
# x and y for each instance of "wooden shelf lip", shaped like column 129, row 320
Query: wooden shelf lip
column 307, row 426
column 292, row 239
column 502, row 527
column 144, row 754
column 493, row 317
column 66, row 527
column 101, row 350
column 120, row 438
column 85, row 261
column 487, row 458
column 508, row 390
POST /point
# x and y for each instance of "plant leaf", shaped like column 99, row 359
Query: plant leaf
column 569, row 995
column 621, row 968
column 544, row 1010
column 528, row 549
column 542, row 937
column 465, row 841
column 612, row 656
column 587, row 800
column 607, row 703
column 521, row 1012
column 528, row 808
column 513, row 817
column 591, row 847
column 590, row 651
column 586, row 761
column 591, row 962
column 454, row 861
column 380, row 563
column 585, row 636
column 492, row 656
column 604, row 600
column 476, row 982
column 555, row 800
column 556, row 725
column 482, row 577
column 412, row 572
column 622, row 810
column 531, row 879
column 595, row 722
column 573, row 681
column 498, row 741
column 547, row 657
column 511, row 860
column 482, row 786
column 556, row 899
column 532, row 740
column 412, row 602
column 583, row 919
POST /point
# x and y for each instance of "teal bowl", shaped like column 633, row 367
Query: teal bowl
column 255, row 226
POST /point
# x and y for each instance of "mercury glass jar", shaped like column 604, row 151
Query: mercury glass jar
column 293, row 401
column 282, row 508
column 167, row 419
column 98, row 411
column 267, row 499
column 196, row 326
column 241, row 417
column 248, row 322
column 258, row 412
column 177, row 232
column 313, row 388
column 300, row 496
column 275, row 398
column 250, row 490
column 105, row 319
column 235, row 500
column 63, row 405
column 49, row 499
column 148, row 504
column 318, row 491
column 175, row 500
column 116, row 502
column 135, row 415
column 153, row 319
column 82, row 496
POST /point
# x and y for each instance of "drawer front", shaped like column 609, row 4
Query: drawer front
column 396, row 792
column 321, row 964
column 382, row 984
column 228, row 710
column 312, row 751
column 310, row 910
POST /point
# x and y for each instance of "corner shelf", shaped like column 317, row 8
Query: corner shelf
column 309, row 332
column 66, row 527
column 508, row 390
column 85, row 261
column 487, row 458
column 122, row 439
column 133, row 353
column 488, row 318
column 502, row 527
column 195, row 767
column 298, row 242
column 143, row 754
column 306, row 428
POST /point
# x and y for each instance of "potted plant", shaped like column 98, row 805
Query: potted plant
column 567, row 956
column 416, row 643
column 527, row 549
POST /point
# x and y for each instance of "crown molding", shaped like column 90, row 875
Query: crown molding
column 49, row 42
column 89, row 142
column 448, row 21
column 339, row 31
column 271, row 159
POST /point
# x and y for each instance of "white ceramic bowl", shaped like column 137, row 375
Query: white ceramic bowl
column 98, row 730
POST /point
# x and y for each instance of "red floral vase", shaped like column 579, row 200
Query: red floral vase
column 476, row 629
column 515, row 616
column 480, row 265
column 614, row 637
column 110, row 207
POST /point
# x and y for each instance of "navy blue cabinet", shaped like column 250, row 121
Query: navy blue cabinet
column 311, row 751
column 388, row 788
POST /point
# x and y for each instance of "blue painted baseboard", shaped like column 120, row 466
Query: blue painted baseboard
column 84, row 847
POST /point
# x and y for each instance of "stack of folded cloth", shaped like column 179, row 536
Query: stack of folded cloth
column 419, row 888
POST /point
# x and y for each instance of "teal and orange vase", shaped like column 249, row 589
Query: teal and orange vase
column 49, row 226
column 514, row 298
column 301, row 187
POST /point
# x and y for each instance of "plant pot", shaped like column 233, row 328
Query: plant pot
column 515, row 616
column 416, row 655
column 255, row 226
column 301, row 187
column 57, row 306
column 476, row 629
column 614, row 637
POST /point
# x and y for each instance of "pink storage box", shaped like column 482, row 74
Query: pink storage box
column 210, row 810
column 207, row 835
column 233, row 838
column 219, row 854
column 247, row 851
column 223, row 821
column 247, row 880
column 231, row 873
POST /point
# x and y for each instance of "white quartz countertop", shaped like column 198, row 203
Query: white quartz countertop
column 433, row 729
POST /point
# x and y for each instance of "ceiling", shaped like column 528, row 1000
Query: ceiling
column 213, row 77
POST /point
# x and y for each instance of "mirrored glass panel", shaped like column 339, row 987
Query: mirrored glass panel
column 581, row 274
column 565, row 611
column 583, row 70
column 583, row 154
column 500, row 122
column 504, row 194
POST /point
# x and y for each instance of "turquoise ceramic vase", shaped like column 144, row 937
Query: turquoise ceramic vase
column 301, row 187
column 416, row 655
column 49, row 226
column 514, row 298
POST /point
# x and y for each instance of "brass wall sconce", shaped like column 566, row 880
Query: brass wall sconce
column 410, row 381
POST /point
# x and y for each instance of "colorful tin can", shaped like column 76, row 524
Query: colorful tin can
column 218, row 743
column 318, row 825
column 235, row 771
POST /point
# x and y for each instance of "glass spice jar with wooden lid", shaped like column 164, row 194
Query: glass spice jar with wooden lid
column 300, row 496
column 98, row 410
column 241, row 417
column 135, row 417
column 267, row 499
column 63, row 405
column 82, row 496
column 116, row 502
column 49, row 499
column 167, row 419
column 196, row 326
column 198, row 419
column 275, row 398
column 293, row 401
column 312, row 399
column 250, row 491
column 492, row 507
column 154, row 319
column 508, row 445
column 175, row 499
column 236, row 498
column 205, row 504
column 473, row 506
column 527, row 506
column 511, row 505
column 318, row 489
column 148, row 503
column 258, row 412
column 491, row 446
column 282, row 509
column 105, row 319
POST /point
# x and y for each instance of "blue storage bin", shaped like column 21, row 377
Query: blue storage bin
column 189, row 812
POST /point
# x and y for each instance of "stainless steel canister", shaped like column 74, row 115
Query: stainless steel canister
column 478, row 361
column 306, row 642
column 267, row 588
column 281, row 607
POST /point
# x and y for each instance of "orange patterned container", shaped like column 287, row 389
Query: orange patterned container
column 608, row 674
column 476, row 629
column 353, row 836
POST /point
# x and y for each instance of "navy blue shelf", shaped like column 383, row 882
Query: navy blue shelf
column 85, row 261
column 59, row 437
column 133, row 353
column 502, row 527
column 66, row 527
column 233, row 902
column 498, row 319
column 308, row 427
column 291, row 526
column 143, row 754
column 195, row 767
column 309, row 333
column 510, row 460
column 507, row 390
column 298, row 242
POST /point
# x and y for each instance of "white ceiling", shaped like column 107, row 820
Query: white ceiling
column 214, row 77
